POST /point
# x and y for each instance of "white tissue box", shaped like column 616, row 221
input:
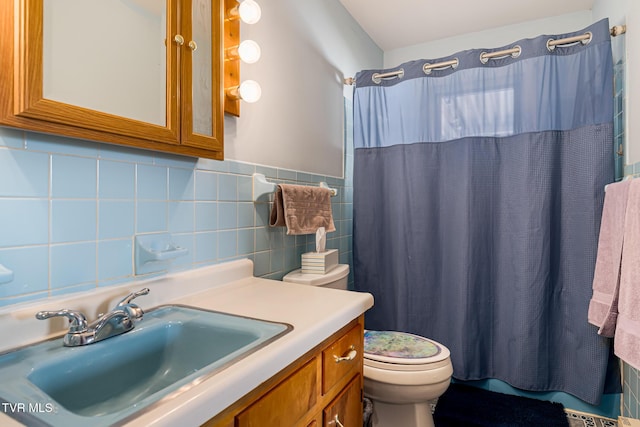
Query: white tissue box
column 628, row 422
column 319, row 262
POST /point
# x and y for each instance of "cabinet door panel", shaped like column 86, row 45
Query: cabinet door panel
column 346, row 409
column 201, row 78
column 200, row 47
column 286, row 403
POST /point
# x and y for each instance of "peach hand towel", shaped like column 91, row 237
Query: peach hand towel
column 302, row 209
column 627, row 336
column 603, row 308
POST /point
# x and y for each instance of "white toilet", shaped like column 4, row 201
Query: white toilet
column 403, row 372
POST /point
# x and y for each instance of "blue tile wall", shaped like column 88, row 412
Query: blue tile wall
column 69, row 211
column 630, row 388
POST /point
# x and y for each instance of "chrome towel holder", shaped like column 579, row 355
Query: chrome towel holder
column 261, row 187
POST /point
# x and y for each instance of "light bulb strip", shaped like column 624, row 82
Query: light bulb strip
column 231, row 65
column 234, row 13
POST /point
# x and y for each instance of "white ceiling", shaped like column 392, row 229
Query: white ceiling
column 393, row 24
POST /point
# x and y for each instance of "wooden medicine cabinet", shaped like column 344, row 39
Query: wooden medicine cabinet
column 141, row 73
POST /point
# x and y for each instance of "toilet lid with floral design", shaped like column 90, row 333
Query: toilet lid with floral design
column 402, row 348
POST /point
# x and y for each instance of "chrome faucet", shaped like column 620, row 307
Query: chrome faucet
column 119, row 320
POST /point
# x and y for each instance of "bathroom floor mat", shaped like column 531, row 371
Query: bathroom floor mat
column 579, row 419
column 465, row 406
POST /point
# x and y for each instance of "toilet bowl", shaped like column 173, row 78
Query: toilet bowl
column 403, row 373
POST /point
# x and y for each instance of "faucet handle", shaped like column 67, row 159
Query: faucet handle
column 78, row 322
column 127, row 300
column 132, row 310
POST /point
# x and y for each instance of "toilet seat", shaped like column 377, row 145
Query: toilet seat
column 402, row 351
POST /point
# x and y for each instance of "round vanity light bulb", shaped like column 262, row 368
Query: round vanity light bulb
column 249, row 11
column 250, row 91
column 249, row 51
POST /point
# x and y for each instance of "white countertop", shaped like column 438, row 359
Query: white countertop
column 315, row 314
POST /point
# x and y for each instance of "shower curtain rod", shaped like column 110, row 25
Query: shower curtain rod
column 484, row 56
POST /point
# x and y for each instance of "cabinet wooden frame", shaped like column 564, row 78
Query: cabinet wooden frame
column 22, row 104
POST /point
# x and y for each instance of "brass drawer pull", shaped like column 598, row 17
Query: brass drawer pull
column 349, row 357
column 337, row 421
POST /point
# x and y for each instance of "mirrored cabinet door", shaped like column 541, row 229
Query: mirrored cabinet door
column 98, row 65
column 107, row 56
column 143, row 73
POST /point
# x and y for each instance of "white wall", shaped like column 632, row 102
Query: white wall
column 307, row 48
column 492, row 38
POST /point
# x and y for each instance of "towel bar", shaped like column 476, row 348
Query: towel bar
column 626, row 178
column 261, row 186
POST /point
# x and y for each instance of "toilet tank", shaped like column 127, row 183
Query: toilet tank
column 336, row 278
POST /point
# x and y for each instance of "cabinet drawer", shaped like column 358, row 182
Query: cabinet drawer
column 287, row 402
column 341, row 357
column 346, row 409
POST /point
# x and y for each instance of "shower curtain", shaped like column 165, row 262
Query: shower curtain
column 478, row 192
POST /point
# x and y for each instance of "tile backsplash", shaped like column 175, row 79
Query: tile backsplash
column 630, row 388
column 69, row 211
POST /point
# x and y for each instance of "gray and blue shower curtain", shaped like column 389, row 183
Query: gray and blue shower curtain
column 478, row 193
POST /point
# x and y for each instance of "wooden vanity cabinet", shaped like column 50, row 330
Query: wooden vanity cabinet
column 61, row 78
column 325, row 383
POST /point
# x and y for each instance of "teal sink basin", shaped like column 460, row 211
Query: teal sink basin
column 111, row 381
